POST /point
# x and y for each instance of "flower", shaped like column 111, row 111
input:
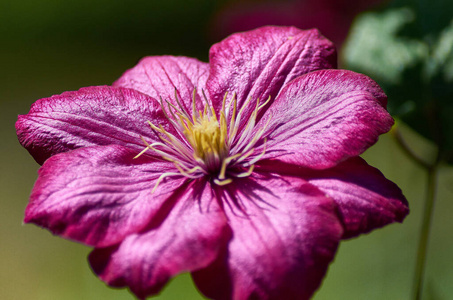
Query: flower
column 243, row 171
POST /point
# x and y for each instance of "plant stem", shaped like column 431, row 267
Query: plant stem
column 396, row 133
column 432, row 170
column 424, row 232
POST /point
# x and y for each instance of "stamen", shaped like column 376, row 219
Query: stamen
column 161, row 177
column 141, row 153
column 246, row 174
column 207, row 102
column 182, row 108
column 265, row 103
column 206, row 144
column 233, row 129
column 188, row 173
column 223, row 182
column 194, row 108
column 257, row 158
column 245, row 155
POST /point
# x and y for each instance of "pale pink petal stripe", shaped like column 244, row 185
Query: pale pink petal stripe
column 91, row 116
column 366, row 199
column 99, row 195
column 188, row 238
column 325, row 117
column 160, row 76
column 286, row 233
column 258, row 63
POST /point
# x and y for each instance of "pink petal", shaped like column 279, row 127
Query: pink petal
column 90, row 116
column 258, row 63
column 98, row 195
column 366, row 199
column 285, row 233
column 159, row 76
column 188, row 238
column 325, row 117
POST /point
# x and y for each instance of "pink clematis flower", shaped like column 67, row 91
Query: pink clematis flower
column 243, row 171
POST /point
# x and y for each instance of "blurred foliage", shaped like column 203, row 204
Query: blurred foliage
column 408, row 49
column 163, row 26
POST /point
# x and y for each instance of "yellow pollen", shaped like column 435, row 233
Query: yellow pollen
column 207, row 139
column 210, row 146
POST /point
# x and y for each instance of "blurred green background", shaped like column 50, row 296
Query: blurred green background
column 48, row 47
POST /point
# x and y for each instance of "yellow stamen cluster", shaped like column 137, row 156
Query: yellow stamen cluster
column 208, row 145
column 207, row 136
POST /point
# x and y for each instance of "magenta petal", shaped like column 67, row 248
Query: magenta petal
column 324, row 117
column 260, row 62
column 160, row 76
column 189, row 238
column 286, row 233
column 98, row 195
column 366, row 199
column 90, row 116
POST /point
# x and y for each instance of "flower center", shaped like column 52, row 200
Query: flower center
column 206, row 144
column 207, row 136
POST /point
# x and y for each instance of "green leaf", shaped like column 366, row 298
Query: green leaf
column 373, row 45
column 440, row 63
column 413, row 62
